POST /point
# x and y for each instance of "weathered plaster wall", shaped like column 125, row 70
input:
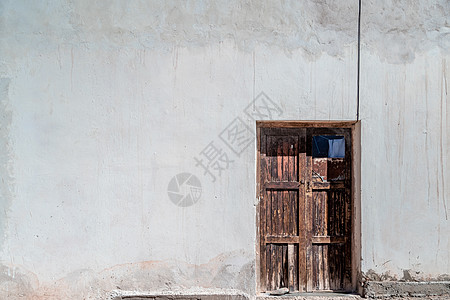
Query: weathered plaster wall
column 103, row 102
column 405, row 196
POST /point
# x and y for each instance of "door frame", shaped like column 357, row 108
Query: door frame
column 355, row 133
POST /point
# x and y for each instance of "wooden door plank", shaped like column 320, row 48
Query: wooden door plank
column 278, row 210
column 285, row 267
column 263, row 231
column 286, row 220
column 296, row 284
column 291, row 204
column 326, row 269
column 320, row 266
column 285, row 157
column 279, row 158
column 281, row 185
column 347, row 285
column 292, row 156
column 328, row 185
column 269, row 267
column 273, row 266
column 348, row 236
column 279, row 239
column 309, row 211
column 272, row 152
column 292, row 176
column 302, row 228
column 279, row 257
column 326, row 239
column 264, row 169
column 325, row 213
column 293, row 200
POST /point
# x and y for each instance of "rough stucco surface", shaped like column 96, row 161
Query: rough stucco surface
column 103, row 102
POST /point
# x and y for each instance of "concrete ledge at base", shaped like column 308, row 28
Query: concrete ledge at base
column 296, row 296
column 182, row 297
column 176, row 295
column 310, row 296
column 383, row 289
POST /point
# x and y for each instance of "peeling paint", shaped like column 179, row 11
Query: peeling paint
column 16, row 282
column 314, row 26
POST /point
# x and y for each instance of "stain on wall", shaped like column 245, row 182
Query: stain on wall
column 226, row 271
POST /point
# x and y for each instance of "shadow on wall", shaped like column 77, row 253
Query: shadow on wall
column 232, row 270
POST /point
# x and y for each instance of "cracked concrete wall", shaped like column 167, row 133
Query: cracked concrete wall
column 103, row 102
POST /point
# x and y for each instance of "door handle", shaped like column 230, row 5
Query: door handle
column 308, row 185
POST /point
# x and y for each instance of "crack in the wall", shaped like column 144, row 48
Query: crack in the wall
column 442, row 116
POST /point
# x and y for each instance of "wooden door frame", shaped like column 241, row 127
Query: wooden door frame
column 355, row 132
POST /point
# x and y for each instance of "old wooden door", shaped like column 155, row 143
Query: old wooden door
column 305, row 209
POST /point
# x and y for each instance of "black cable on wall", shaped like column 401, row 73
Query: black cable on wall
column 359, row 60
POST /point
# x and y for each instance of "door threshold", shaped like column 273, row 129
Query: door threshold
column 311, row 295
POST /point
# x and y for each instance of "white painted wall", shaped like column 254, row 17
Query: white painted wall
column 103, row 102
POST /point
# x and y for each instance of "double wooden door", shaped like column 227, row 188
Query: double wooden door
column 305, row 210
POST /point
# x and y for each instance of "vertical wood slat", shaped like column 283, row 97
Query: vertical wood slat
column 280, row 213
column 309, row 211
column 347, row 250
column 326, row 270
column 291, row 266
column 269, row 225
column 278, row 258
column 269, row 250
column 296, row 265
column 320, row 267
column 325, row 212
column 285, row 150
column 284, row 267
column 273, row 266
column 302, row 228
column 263, row 211
column 292, row 177
column 279, row 159
column 348, row 215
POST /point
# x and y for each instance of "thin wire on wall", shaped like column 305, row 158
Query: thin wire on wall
column 359, row 60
